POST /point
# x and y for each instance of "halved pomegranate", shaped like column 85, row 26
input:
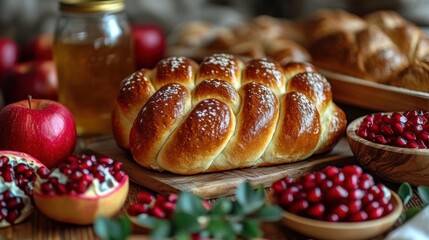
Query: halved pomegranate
column 81, row 189
column 18, row 171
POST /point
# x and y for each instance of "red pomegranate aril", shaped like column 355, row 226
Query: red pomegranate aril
column 327, row 184
column 314, row 195
column 20, row 168
column 354, row 206
column 351, row 182
column 400, row 142
column 47, row 188
column 157, row 212
column 424, row 136
column 8, row 175
column 298, row 206
column 60, row 189
column 410, row 136
column 332, row 217
column 12, row 216
column 316, row 211
column 356, row 194
column 119, row 175
column 386, row 119
column 368, row 198
column 388, row 209
column 421, row 144
column 172, row 197
column 117, row 166
column 75, row 176
column 14, row 202
column 320, row 177
column 381, row 139
column 358, row 216
column 105, row 161
column 286, row 198
column 387, row 130
column 375, row 213
column 82, row 186
column 336, row 193
column 65, row 170
column 398, row 117
column 338, row 179
column 168, row 207
column 412, row 144
column 398, row 127
column 137, row 209
column 363, row 133
column 331, row 171
column 279, row 186
column 341, row 211
column 145, row 197
column 352, row 170
column 43, row 171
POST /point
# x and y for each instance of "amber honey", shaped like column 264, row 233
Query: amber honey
column 89, row 75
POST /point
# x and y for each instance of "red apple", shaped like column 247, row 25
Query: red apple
column 37, row 78
column 149, row 45
column 39, row 48
column 42, row 128
column 8, row 55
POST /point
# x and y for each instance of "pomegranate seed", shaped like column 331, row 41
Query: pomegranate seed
column 30, row 175
column 12, row 216
column 400, row 142
column 8, row 175
column 412, row 144
column 331, row 171
column 363, row 133
column 60, row 189
column 332, row 217
column 358, row 216
column 298, row 206
column 47, row 188
column 386, row 119
column 352, row 170
column 351, row 182
column 87, row 177
column 43, row 172
column 82, row 186
column 76, row 176
column 137, row 209
column 65, row 170
column 387, row 130
column 374, row 128
column 314, row 195
column 14, row 202
column 320, row 177
column 172, row 197
column 119, row 176
column 105, row 161
column 117, row 166
column 145, row 197
column 421, row 144
column 341, row 211
column 20, row 168
column 336, row 193
column 279, row 186
column 53, row 180
column 388, row 208
column 72, row 159
column 375, row 213
column 327, row 184
column 168, row 207
column 424, row 136
column 398, row 117
column 381, row 139
column 368, row 198
column 157, row 212
column 4, row 160
column 316, row 211
column 338, row 179
column 286, row 198
column 100, row 176
column 410, row 136
column 356, row 194
column 354, row 206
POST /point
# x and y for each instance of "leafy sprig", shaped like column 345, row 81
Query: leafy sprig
column 226, row 219
column 405, row 192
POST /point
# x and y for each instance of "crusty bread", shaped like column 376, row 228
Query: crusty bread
column 225, row 114
column 382, row 47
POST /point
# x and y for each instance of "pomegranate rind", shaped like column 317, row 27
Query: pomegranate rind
column 80, row 209
column 33, row 162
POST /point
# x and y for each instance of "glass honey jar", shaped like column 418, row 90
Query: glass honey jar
column 92, row 53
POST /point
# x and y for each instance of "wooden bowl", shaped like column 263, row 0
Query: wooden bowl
column 391, row 163
column 344, row 230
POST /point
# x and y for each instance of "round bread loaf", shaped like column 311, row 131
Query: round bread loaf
column 225, row 114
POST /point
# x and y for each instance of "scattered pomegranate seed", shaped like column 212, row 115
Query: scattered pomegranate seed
column 342, row 195
column 410, row 129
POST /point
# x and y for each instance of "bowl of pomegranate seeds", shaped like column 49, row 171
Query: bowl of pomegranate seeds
column 394, row 146
column 337, row 203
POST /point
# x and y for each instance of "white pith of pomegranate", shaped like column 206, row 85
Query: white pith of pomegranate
column 334, row 194
column 408, row 130
column 18, row 171
column 82, row 188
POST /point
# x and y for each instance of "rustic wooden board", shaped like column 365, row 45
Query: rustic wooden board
column 375, row 96
column 213, row 185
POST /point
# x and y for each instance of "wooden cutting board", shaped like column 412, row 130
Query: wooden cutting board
column 213, row 185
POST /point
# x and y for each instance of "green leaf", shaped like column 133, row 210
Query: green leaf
column 250, row 199
column 220, row 229
column 410, row 213
column 147, row 220
column 251, row 229
column 269, row 213
column 424, row 194
column 112, row 229
column 221, row 207
column 161, row 230
column 185, row 222
column 190, row 203
column 405, row 192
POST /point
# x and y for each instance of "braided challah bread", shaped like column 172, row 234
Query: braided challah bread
column 225, row 114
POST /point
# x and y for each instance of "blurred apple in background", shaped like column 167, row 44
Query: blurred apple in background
column 42, row 128
column 149, row 44
column 9, row 51
column 36, row 78
column 38, row 48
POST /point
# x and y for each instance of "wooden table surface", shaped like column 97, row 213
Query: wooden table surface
column 38, row 226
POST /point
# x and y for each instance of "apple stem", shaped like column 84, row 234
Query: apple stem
column 29, row 101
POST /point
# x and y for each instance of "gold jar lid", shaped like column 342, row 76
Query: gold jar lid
column 91, row 6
